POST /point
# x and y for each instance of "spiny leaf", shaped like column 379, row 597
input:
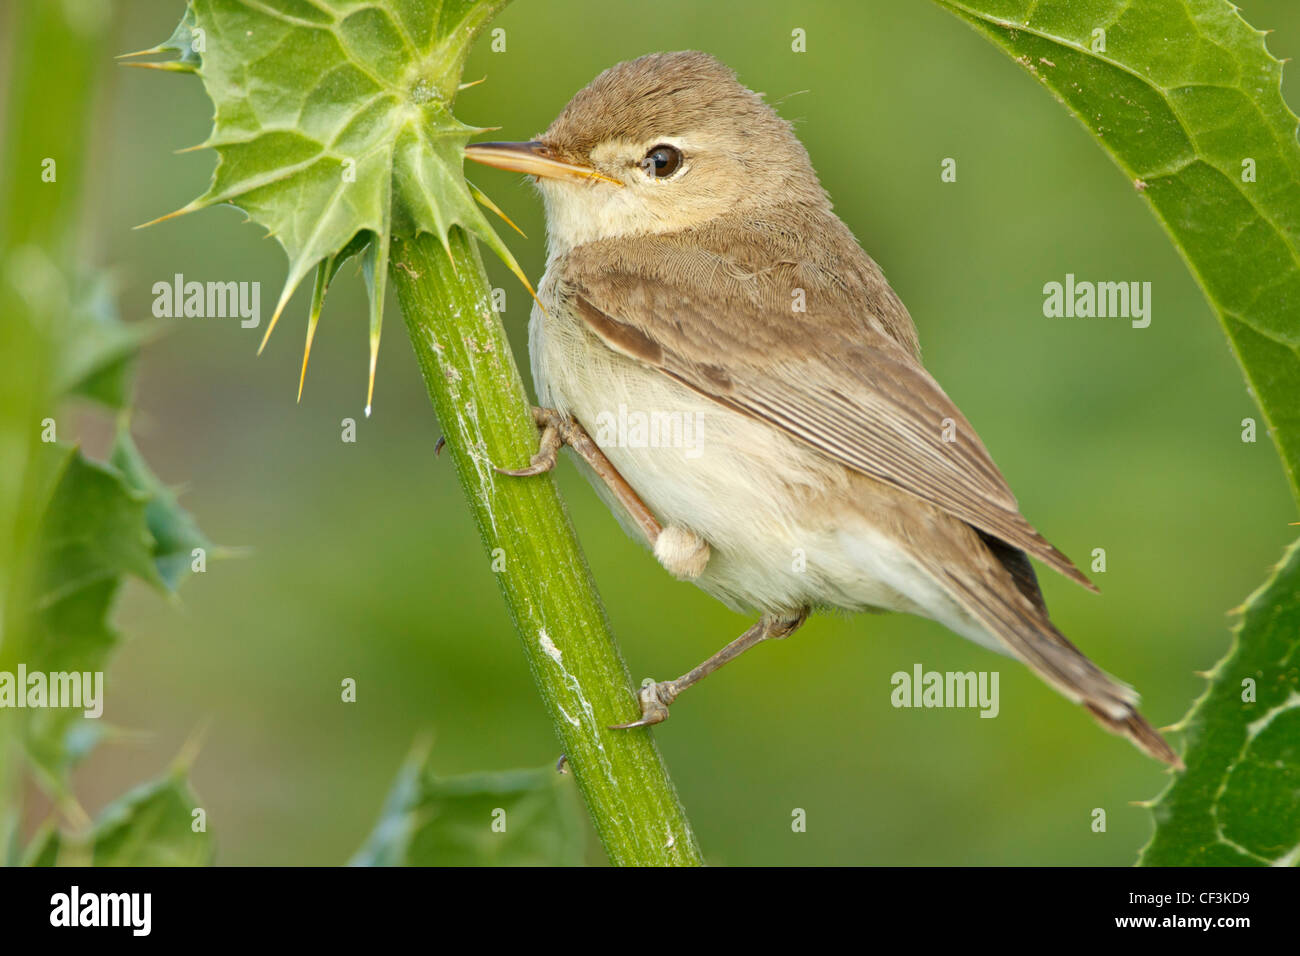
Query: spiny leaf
column 80, row 527
column 1236, row 803
column 94, row 529
column 107, row 520
column 181, row 42
column 72, row 636
column 333, row 120
column 97, row 355
column 516, row 818
column 153, row 825
column 102, row 522
column 1186, row 98
column 175, row 534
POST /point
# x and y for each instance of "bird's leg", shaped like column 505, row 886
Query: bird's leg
column 655, row 698
column 560, row 430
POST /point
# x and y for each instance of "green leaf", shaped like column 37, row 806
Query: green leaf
column 333, row 120
column 70, row 529
column 96, row 359
column 71, row 635
column 1236, row 804
column 153, row 825
column 94, row 529
column 106, row 520
column 1187, row 100
column 175, row 534
column 102, row 522
column 92, row 533
column 515, row 818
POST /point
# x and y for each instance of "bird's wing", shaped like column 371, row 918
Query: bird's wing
column 850, row 391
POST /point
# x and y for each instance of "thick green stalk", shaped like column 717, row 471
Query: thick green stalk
column 480, row 402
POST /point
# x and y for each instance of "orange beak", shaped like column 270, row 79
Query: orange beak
column 533, row 158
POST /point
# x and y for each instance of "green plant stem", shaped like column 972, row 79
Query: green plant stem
column 484, row 413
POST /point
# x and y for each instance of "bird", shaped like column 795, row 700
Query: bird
column 746, row 392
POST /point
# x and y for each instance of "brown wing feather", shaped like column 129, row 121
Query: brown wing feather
column 853, row 391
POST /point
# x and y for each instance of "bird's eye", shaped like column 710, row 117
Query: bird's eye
column 662, row 161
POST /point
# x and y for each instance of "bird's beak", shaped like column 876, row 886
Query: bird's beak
column 533, row 158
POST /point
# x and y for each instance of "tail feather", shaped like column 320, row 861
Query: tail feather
column 1135, row 727
column 999, row 590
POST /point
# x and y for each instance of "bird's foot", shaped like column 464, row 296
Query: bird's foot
column 560, row 430
column 655, row 698
column 556, row 431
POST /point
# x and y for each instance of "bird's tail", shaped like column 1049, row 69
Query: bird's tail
column 1000, row 591
column 1136, row 728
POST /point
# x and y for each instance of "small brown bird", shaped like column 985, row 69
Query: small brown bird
column 760, row 411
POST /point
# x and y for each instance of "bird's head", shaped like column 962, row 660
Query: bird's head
column 658, row 144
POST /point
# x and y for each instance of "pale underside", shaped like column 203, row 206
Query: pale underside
column 772, row 510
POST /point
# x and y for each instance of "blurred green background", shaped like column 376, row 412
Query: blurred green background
column 363, row 561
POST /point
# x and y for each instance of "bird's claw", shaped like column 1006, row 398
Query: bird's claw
column 654, row 698
column 539, row 464
column 553, row 430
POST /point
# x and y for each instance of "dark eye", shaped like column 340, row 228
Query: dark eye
column 662, row 161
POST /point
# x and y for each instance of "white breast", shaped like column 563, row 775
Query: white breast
column 761, row 500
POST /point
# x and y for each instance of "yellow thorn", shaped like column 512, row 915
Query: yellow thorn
column 306, row 352
column 189, row 751
column 318, row 291
column 191, row 207
column 446, row 247
column 284, row 300
column 485, row 201
column 152, row 49
column 519, row 274
column 463, row 86
column 171, row 66
column 374, row 358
